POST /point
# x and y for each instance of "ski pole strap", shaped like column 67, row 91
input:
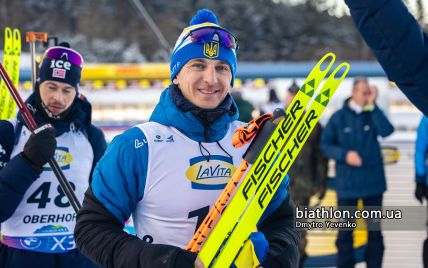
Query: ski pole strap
column 246, row 133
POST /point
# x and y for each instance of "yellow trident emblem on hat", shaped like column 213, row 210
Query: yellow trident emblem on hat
column 211, row 49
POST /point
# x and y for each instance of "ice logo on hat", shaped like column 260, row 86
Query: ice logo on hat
column 60, row 66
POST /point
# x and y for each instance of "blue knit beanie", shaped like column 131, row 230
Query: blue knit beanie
column 185, row 49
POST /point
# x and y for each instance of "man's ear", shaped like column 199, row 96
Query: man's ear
column 175, row 81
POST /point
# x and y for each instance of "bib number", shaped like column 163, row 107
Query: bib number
column 41, row 196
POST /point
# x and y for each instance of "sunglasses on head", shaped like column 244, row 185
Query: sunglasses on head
column 205, row 35
column 71, row 55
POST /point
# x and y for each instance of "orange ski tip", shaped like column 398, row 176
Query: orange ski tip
column 246, row 132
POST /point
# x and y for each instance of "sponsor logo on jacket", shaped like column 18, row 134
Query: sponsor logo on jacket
column 210, row 175
column 62, row 157
column 51, row 229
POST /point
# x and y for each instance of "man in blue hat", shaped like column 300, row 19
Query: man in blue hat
column 169, row 171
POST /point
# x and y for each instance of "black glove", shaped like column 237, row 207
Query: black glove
column 40, row 147
column 185, row 259
column 421, row 191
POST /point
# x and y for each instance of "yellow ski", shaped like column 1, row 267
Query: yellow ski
column 269, row 169
column 7, row 62
column 10, row 105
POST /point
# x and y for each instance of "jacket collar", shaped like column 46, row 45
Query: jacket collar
column 198, row 124
column 78, row 118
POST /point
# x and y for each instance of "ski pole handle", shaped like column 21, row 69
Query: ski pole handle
column 29, row 120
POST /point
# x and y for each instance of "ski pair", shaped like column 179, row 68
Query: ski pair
column 12, row 53
column 266, row 172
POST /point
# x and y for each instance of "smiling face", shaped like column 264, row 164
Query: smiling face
column 57, row 96
column 204, row 82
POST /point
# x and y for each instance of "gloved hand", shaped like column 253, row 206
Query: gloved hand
column 186, row 258
column 254, row 252
column 421, row 191
column 40, row 147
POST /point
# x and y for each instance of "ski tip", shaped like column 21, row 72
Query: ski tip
column 8, row 32
column 326, row 62
column 16, row 35
column 341, row 71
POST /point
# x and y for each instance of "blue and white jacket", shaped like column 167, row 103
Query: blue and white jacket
column 122, row 185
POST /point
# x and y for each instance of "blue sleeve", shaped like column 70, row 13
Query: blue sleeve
column 329, row 141
column 16, row 174
column 277, row 199
column 119, row 177
column 381, row 124
column 398, row 42
column 421, row 148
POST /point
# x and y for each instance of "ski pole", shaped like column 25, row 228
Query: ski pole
column 31, row 38
column 203, row 230
column 29, row 120
column 240, row 138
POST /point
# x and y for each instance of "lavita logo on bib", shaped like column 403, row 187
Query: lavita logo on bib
column 62, row 157
column 210, row 175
